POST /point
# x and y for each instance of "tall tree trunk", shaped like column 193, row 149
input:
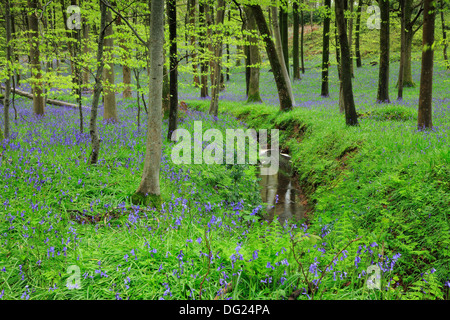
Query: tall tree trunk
column 192, row 10
column 214, row 106
column 277, row 36
column 228, row 49
column 16, row 56
column 424, row 119
column 283, row 23
column 109, row 94
column 302, row 37
column 350, row 35
column 402, row 4
column 383, row 78
column 351, row 118
column 35, row 64
column 8, row 69
column 173, row 58
column 85, row 27
column 148, row 191
column 358, row 35
column 126, row 70
column 202, row 45
column 253, row 94
column 409, row 34
column 326, row 50
column 93, row 131
column 286, row 102
column 444, row 36
column 295, row 50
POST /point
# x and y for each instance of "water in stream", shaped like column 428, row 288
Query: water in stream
column 280, row 194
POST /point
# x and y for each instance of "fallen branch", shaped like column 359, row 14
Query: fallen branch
column 49, row 101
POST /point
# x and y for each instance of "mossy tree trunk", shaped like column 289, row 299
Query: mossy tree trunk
column 424, row 119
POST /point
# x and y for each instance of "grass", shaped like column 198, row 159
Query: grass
column 380, row 195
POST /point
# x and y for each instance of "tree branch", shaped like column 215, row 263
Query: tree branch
column 145, row 43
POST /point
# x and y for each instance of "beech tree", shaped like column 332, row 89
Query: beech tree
column 351, row 118
column 286, row 102
column 424, row 119
column 8, row 71
column 109, row 94
column 217, row 62
column 35, row 63
column 326, row 49
column 253, row 94
column 173, row 62
column 383, row 77
column 148, row 191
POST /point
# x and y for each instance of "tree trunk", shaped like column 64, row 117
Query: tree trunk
column 358, row 36
column 148, row 191
column 326, row 50
column 424, row 119
column 173, row 61
column 214, row 106
column 35, row 64
column 202, row 45
column 279, row 49
column 126, row 70
column 295, row 50
column 85, row 27
column 351, row 118
column 444, row 36
column 302, row 36
column 409, row 34
column 350, row 35
column 402, row 4
column 93, row 131
column 283, row 93
column 192, row 10
column 253, row 94
column 383, row 77
column 109, row 94
column 8, row 69
column 284, row 33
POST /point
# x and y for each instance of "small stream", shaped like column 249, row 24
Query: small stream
column 280, row 194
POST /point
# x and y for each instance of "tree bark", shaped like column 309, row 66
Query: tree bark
column 283, row 24
column 302, row 37
column 383, row 77
column 253, row 94
column 295, row 49
column 279, row 49
column 192, row 10
column 402, row 4
column 351, row 118
column 444, row 37
column 173, row 61
column 326, row 50
column 8, row 68
column 286, row 102
column 35, row 64
column 202, row 45
column 358, row 35
column 109, row 94
column 424, row 119
column 148, row 191
column 350, row 35
column 86, row 52
column 93, row 131
column 214, row 106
